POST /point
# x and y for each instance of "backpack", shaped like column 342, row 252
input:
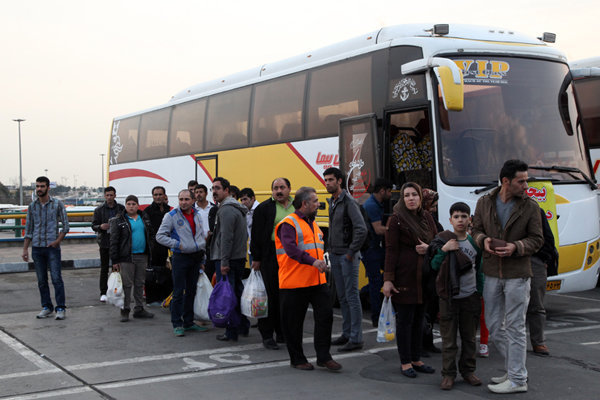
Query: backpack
column 348, row 227
column 222, row 304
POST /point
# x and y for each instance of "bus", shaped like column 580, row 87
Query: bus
column 441, row 105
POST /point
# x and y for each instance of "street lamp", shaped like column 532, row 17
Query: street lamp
column 19, row 120
column 102, row 180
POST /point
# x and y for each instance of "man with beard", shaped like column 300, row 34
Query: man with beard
column 266, row 217
column 41, row 231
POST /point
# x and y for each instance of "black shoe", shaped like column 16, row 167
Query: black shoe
column 350, row 346
column 409, row 373
column 142, row 314
column 124, row 314
column 225, row 338
column 279, row 338
column 340, row 341
column 270, row 344
column 426, row 369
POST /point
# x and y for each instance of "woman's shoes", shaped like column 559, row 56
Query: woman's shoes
column 426, row 369
column 410, row 373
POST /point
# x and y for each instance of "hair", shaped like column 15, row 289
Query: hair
column 201, row 186
column 511, row 167
column 430, row 197
column 247, row 192
column 302, row 195
column 192, row 183
column 286, row 180
column 158, row 188
column 184, row 190
column 335, row 172
column 110, row 189
column 41, row 179
column 132, row 197
column 460, row 207
column 234, row 191
column 224, row 182
column 381, row 183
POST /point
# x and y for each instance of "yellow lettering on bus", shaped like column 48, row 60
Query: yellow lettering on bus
column 464, row 65
column 499, row 69
column 481, row 69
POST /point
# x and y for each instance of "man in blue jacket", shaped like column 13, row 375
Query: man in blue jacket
column 181, row 231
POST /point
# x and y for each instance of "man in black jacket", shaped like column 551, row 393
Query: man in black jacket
column 102, row 214
column 262, row 246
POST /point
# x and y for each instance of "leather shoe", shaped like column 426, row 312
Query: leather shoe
column 426, row 369
column 340, row 341
column 351, row 346
column 447, row 383
column 270, row 344
column 330, row 365
column 409, row 373
column 541, row 350
column 304, row 367
column 225, row 338
column 472, row 380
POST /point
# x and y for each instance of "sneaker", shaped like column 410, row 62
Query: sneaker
column 103, row 298
column 195, row 328
column 179, row 331
column 499, row 379
column 142, row 314
column 484, row 351
column 45, row 313
column 507, row 387
column 60, row 313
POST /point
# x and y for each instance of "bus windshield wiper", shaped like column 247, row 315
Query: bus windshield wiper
column 570, row 171
column 485, row 189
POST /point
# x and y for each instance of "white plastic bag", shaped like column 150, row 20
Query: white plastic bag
column 386, row 329
column 114, row 294
column 203, row 292
column 254, row 302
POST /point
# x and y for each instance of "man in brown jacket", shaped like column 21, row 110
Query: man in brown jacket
column 507, row 225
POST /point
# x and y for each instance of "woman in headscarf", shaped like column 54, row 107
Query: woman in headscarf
column 410, row 230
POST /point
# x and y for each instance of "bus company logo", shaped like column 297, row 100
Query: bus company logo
column 117, row 147
column 484, row 71
column 538, row 195
column 328, row 160
column 404, row 88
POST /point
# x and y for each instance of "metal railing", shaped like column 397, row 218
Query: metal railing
column 76, row 220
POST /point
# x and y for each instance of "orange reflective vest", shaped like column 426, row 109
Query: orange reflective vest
column 293, row 274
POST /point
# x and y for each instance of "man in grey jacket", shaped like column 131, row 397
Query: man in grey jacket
column 347, row 233
column 181, row 231
column 228, row 248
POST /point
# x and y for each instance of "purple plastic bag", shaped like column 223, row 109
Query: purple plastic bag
column 222, row 304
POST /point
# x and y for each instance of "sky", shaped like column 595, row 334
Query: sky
column 69, row 67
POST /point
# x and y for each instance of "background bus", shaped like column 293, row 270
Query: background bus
column 383, row 104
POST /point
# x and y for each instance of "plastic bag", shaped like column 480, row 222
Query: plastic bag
column 254, row 301
column 222, row 304
column 203, row 291
column 114, row 294
column 386, row 330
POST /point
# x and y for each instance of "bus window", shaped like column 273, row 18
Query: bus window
column 124, row 140
column 278, row 105
column 227, row 120
column 588, row 96
column 187, row 128
column 338, row 91
column 154, row 131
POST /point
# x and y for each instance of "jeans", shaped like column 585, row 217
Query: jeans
column 373, row 260
column 104, row 266
column 133, row 274
column 345, row 274
column 44, row 258
column 536, row 313
column 234, row 277
column 506, row 303
column 186, row 270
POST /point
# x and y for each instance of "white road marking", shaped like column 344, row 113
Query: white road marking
column 575, row 297
column 231, row 358
column 590, row 343
column 26, row 353
column 196, row 365
column 50, row 393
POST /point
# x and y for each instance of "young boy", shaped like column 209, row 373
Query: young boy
column 459, row 285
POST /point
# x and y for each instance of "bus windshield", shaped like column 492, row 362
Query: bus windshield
column 515, row 108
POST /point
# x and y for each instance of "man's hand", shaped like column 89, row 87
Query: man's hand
column 224, row 269
column 507, row 250
column 450, row 245
column 255, row 265
column 486, row 245
column 25, row 255
column 55, row 244
column 104, row 226
column 320, row 265
column 389, row 289
column 421, row 248
column 116, row 267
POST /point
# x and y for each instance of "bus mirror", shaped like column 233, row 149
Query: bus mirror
column 453, row 93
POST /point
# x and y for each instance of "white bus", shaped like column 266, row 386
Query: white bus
column 441, row 105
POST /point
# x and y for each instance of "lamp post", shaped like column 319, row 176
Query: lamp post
column 19, row 120
column 102, row 180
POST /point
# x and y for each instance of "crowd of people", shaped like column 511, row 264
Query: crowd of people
column 494, row 261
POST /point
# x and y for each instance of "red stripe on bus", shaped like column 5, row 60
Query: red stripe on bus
column 203, row 167
column 319, row 177
column 132, row 173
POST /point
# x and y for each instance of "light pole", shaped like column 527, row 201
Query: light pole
column 19, row 120
column 102, row 180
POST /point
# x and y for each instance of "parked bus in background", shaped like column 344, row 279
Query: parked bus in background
column 441, row 105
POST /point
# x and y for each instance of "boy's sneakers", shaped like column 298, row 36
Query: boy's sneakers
column 60, row 313
column 103, row 298
column 195, row 328
column 179, row 331
column 484, row 351
column 507, row 387
column 45, row 313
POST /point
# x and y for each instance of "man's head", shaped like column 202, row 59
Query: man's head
column 513, row 178
column 132, row 204
column 334, row 180
column 159, row 195
column 234, row 191
column 460, row 217
column 220, row 189
column 280, row 189
column 109, row 195
column 200, row 193
column 185, row 200
column 382, row 188
column 191, row 186
column 306, row 201
column 247, row 197
column 42, row 185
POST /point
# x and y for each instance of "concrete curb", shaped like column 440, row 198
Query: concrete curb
column 6, row 268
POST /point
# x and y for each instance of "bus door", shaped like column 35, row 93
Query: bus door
column 359, row 154
column 207, row 169
column 587, row 92
column 409, row 153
